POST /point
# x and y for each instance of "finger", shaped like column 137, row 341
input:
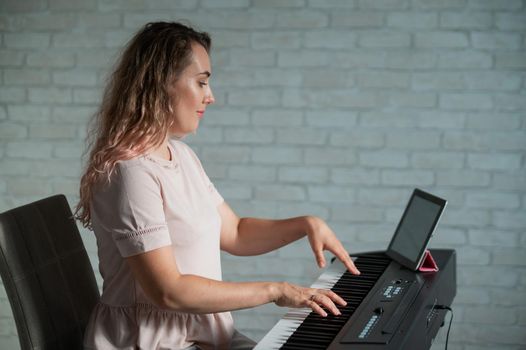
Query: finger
column 347, row 261
column 328, row 303
column 316, row 308
column 320, row 258
column 335, row 297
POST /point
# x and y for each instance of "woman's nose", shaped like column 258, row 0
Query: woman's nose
column 209, row 99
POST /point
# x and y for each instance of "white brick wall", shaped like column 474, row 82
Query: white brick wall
column 329, row 107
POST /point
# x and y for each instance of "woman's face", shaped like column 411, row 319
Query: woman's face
column 193, row 93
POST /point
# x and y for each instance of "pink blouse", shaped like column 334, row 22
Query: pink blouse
column 151, row 203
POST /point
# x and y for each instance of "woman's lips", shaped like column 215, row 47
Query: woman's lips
column 200, row 113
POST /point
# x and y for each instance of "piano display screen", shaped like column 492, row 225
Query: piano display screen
column 415, row 229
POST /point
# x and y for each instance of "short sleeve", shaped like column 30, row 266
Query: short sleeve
column 214, row 194
column 131, row 210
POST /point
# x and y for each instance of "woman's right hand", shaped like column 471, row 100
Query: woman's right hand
column 290, row 295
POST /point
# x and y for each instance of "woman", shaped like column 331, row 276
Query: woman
column 159, row 221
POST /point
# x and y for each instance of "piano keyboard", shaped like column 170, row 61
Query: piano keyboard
column 304, row 329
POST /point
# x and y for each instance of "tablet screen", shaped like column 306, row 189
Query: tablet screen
column 415, row 228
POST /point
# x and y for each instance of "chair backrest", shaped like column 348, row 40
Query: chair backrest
column 47, row 274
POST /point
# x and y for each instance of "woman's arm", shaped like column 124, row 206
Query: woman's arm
column 251, row 236
column 158, row 275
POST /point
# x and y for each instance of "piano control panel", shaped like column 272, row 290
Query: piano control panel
column 378, row 322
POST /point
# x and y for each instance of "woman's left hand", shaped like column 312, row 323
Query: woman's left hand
column 321, row 238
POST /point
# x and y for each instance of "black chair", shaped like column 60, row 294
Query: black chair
column 47, row 274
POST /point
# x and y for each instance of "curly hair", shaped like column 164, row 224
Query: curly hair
column 136, row 109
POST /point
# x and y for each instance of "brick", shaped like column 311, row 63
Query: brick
column 28, row 187
column 441, row 39
column 492, row 40
column 438, row 160
column 277, row 155
column 331, row 194
column 278, row 117
column 57, row 167
column 330, row 4
column 88, row 96
column 321, row 156
column 247, row 21
column 439, row 5
column 478, row 276
column 71, row 114
column 494, row 161
column 227, row 39
column 384, row 39
column 72, row 5
column 462, row 178
column 465, row 101
column 376, row 119
column 484, row 141
column 476, row 296
column 302, row 19
column 509, row 256
column 383, row 80
column 438, row 81
column 507, row 181
column 169, row 4
column 411, row 20
column 509, row 220
column 12, row 94
column 490, row 315
column 356, row 60
column 448, row 236
column 473, row 20
column 358, row 138
column 291, row 209
column 508, row 297
column 26, row 77
column 279, row 192
column 304, row 59
column 68, row 150
column 27, row 40
column 510, row 21
column 278, row 3
column 493, row 81
column 510, row 102
column 52, row 131
column 330, row 98
column 12, row 131
column 249, row 135
column 253, row 97
column 355, row 176
column 510, row 60
column 505, row 334
column 42, row 22
column 301, row 136
column 76, row 77
column 113, row 39
column 51, row 95
column 99, row 20
column 493, row 121
column 29, row 150
column 326, row 78
column 473, row 256
column 252, row 58
column 276, row 40
column 330, row 39
column 225, row 3
column 265, row 77
column 464, row 60
column 50, row 58
column 410, row 60
column 9, row 6
column 28, row 113
column 252, row 173
column 491, row 237
column 11, row 58
column 356, row 214
column 331, row 119
column 226, row 154
column 237, row 191
column 357, row 19
column 3, row 113
column 418, row 178
column 493, row 200
column 384, row 159
column 78, row 40
column 410, row 140
column 382, row 197
column 303, row 174
column 494, row 5
column 412, row 99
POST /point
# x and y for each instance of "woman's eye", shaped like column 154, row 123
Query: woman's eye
column 202, row 83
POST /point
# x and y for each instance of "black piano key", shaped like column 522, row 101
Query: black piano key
column 317, row 332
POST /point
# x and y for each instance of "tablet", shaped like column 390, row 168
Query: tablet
column 412, row 235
